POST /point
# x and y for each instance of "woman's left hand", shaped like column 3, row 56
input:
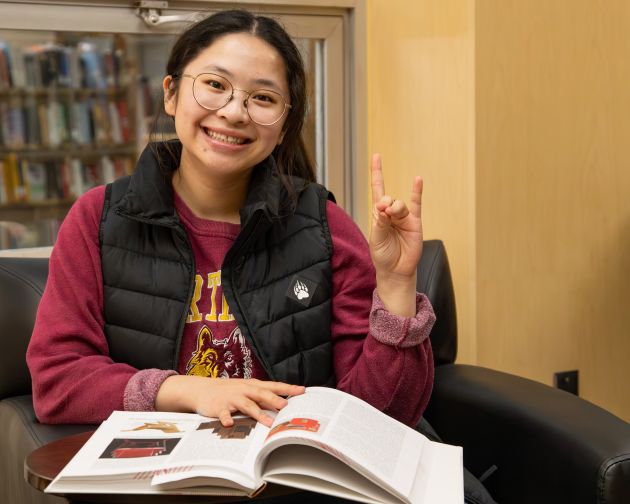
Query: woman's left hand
column 395, row 242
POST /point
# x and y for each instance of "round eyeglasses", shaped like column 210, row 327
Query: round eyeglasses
column 212, row 92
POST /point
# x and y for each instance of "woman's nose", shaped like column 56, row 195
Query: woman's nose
column 235, row 110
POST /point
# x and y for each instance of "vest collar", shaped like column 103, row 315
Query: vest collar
column 150, row 192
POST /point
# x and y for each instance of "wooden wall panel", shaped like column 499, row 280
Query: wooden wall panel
column 421, row 119
column 553, row 192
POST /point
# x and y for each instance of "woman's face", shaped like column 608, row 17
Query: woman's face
column 226, row 142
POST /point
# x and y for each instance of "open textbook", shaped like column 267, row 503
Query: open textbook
column 325, row 441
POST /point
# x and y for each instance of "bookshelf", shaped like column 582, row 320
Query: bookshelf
column 75, row 109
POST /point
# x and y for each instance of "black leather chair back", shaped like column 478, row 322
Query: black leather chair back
column 434, row 280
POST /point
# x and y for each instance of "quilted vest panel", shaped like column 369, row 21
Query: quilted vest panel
column 291, row 336
column 148, row 276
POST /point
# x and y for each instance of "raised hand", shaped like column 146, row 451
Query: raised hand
column 221, row 397
column 395, row 242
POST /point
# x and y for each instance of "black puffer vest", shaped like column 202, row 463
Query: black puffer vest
column 276, row 277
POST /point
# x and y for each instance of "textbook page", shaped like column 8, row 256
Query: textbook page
column 376, row 446
column 131, row 449
column 440, row 475
column 308, row 468
column 126, row 448
column 214, row 451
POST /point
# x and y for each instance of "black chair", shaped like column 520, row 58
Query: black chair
column 548, row 446
column 22, row 283
column 542, row 445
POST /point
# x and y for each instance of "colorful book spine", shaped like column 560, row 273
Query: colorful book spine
column 3, row 188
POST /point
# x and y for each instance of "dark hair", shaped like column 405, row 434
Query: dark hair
column 291, row 156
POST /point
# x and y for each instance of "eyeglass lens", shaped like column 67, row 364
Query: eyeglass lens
column 213, row 92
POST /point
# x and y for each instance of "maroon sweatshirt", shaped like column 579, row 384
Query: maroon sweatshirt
column 379, row 357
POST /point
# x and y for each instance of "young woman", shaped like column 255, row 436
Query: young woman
column 219, row 277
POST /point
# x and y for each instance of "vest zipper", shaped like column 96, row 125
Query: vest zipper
column 234, row 252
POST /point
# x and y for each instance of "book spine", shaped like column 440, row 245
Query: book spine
column 21, row 183
column 5, row 138
column 114, row 121
column 36, row 179
column 64, row 79
column 65, row 179
column 123, row 114
column 76, row 178
column 17, row 67
column 17, row 123
column 11, row 178
column 32, row 128
column 3, row 188
column 94, row 75
column 42, row 118
column 107, row 170
column 5, row 66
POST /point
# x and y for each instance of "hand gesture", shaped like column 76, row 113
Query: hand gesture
column 396, row 234
column 221, row 397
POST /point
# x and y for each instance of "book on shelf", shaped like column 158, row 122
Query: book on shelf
column 90, row 63
column 123, row 115
column 42, row 116
column 3, row 187
column 11, row 179
column 6, row 80
column 32, row 126
column 36, row 180
column 16, row 65
column 115, row 128
column 57, row 117
column 4, row 139
column 33, row 122
column 17, row 235
column 324, row 441
column 32, row 181
column 12, row 123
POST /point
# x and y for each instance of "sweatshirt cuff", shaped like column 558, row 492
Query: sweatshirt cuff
column 399, row 331
column 142, row 389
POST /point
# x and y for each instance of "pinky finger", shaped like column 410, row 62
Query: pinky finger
column 415, row 206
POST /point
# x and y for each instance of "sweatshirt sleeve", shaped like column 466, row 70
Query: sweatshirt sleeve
column 74, row 379
column 382, row 358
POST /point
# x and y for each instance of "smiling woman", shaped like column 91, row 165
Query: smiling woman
column 224, row 278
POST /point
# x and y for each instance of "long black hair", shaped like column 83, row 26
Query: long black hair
column 290, row 155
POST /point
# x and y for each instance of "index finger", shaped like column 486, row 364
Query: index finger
column 378, row 185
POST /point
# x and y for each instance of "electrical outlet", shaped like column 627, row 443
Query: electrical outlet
column 566, row 380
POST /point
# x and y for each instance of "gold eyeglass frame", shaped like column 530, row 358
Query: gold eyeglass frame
column 194, row 78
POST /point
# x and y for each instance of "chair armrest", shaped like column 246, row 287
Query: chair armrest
column 22, row 282
column 548, row 445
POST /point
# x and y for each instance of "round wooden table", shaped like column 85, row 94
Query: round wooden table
column 43, row 465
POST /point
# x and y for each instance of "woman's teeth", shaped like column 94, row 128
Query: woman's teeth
column 224, row 138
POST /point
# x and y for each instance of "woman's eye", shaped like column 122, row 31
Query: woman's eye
column 263, row 98
column 215, row 84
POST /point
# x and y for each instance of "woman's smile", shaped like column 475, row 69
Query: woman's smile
column 225, row 138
